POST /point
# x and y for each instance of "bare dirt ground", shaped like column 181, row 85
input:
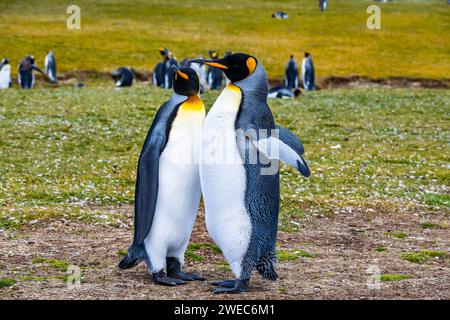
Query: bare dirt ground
column 343, row 246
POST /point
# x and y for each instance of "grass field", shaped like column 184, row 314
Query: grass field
column 378, row 194
column 413, row 41
column 65, row 149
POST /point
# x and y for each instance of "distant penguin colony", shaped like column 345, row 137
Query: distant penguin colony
column 5, row 74
column 241, row 202
column 168, row 190
column 123, row 77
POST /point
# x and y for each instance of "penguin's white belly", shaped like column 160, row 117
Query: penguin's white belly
column 178, row 192
column 223, row 180
column 5, row 77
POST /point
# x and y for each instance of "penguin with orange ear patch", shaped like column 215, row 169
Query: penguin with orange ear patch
column 167, row 192
column 241, row 192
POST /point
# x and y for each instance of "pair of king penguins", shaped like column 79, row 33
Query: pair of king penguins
column 241, row 196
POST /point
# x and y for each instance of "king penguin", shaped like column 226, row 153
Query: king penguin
column 241, row 195
column 123, row 77
column 5, row 74
column 291, row 73
column 50, row 67
column 25, row 75
column 168, row 190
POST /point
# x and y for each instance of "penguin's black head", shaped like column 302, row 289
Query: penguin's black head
column 236, row 66
column 185, row 81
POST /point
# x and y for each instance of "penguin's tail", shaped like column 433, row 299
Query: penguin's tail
column 136, row 253
column 266, row 266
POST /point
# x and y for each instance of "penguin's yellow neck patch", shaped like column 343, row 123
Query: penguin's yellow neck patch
column 233, row 87
column 193, row 103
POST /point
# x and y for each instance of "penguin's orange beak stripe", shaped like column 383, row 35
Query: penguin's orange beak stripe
column 182, row 74
column 217, row 65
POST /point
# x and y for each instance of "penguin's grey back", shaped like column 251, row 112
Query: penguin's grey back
column 262, row 193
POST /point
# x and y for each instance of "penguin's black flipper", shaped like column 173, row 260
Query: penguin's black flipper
column 146, row 194
column 147, row 182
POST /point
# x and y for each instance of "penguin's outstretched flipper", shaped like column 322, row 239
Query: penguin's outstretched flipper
column 286, row 147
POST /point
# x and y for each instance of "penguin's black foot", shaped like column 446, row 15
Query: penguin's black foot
column 186, row 276
column 174, row 271
column 224, row 283
column 239, row 287
column 162, row 279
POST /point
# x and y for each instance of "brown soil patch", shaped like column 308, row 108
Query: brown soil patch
column 343, row 246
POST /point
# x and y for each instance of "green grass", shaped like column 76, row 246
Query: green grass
column 122, row 252
column 6, row 282
column 436, row 199
column 193, row 250
column 422, row 256
column 32, row 278
column 397, row 234
column 72, row 154
column 393, row 277
column 196, row 246
column 380, row 249
column 431, row 225
column 60, row 265
column 283, row 255
column 413, row 40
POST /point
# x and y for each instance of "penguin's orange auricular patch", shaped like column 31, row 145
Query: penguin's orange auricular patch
column 193, row 103
column 182, row 74
column 251, row 64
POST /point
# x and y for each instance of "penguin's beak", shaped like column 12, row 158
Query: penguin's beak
column 179, row 72
column 213, row 63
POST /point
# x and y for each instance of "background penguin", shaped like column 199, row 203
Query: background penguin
column 170, row 62
column 214, row 75
column 168, row 185
column 202, row 72
column 123, row 77
column 160, row 69
column 50, row 67
column 323, row 4
column 5, row 74
column 283, row 92
column 308, row 72
column 280, row 15
column 25, row 74
column 241, row 196
column 291, row 74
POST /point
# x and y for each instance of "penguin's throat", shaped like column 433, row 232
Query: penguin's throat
column 233, row 87
column 193, row 103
